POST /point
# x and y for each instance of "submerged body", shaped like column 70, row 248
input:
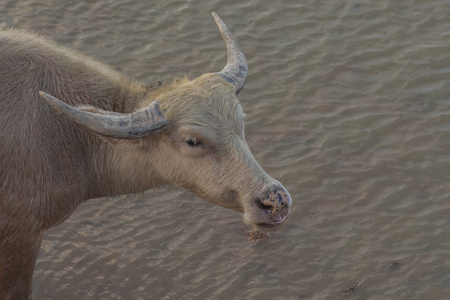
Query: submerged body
column 116, row 136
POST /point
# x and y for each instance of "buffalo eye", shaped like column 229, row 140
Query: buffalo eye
column 193, row 142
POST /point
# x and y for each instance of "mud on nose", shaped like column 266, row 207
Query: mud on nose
column 276, row 205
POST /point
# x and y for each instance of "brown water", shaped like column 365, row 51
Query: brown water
column 348, row 105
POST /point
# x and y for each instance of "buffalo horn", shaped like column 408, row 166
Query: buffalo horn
column 236, row 68
column 111, row 124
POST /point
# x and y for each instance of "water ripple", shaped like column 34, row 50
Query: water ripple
column 347, row 105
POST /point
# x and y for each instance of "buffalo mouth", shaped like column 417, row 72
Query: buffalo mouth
column 272, row 226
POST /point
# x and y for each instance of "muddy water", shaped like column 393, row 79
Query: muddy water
column 347, row 104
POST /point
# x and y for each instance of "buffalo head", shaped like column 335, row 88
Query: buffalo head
column 192, row 135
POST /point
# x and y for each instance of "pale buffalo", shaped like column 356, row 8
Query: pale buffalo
column 110, row 135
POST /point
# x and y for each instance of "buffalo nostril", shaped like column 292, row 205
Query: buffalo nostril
column 276, row 204
column 263, row 206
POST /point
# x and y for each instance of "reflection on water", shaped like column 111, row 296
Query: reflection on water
column 347, row 105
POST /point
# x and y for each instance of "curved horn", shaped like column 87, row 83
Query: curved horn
column 236, row 69
column 111, row 124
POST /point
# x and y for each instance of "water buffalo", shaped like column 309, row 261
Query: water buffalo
column 110, row 135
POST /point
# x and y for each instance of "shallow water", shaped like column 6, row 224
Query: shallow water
column 347, row 105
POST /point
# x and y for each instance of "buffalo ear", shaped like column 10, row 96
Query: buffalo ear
column 135, row 125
